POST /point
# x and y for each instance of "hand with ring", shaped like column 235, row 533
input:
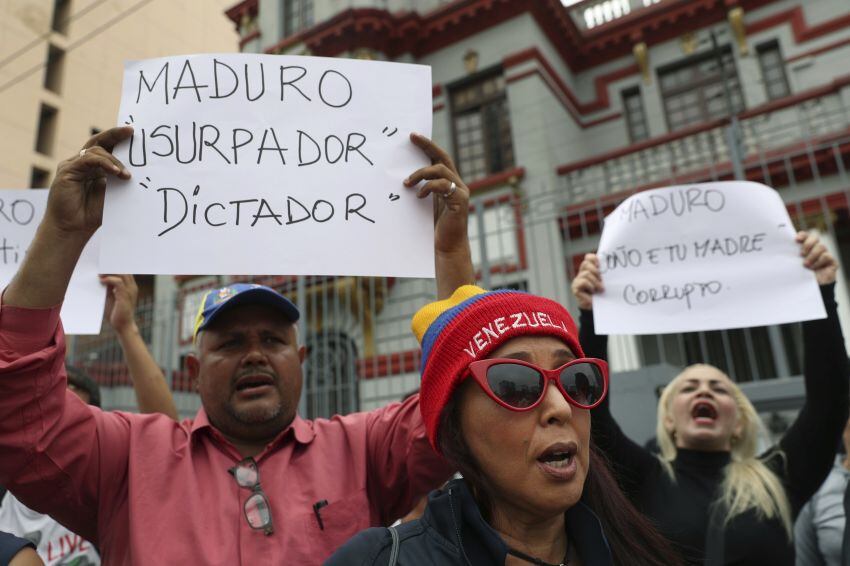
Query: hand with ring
column 451, row 213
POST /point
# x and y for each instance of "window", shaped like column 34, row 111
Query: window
column 53, row 71
column 635, row 116
column 46, row 130
column 297, row 15
column 61, row 16
column 745, row 354
column 499, row 228
column 482, row 127
column 696, row 91
column 773, row 70
column 39, row 178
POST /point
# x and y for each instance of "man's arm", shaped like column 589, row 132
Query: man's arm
column 152, row 392
column 402, row 466
column 74, row 212
column 55, row 448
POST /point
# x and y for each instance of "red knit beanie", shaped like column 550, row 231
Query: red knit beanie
column 470, row 325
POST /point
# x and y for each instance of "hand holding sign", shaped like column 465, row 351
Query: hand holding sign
column 817, row 258
column 76, row 198
column 587, row 282
column 453, row 258
column 300, row 157
column 702, row 257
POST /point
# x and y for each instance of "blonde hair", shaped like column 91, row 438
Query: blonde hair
column 748, row 483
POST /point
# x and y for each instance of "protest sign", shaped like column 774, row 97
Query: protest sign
column 21, row 211
column 702, row 257
column 267, row 164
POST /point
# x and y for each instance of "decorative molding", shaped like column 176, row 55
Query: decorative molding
column 831, row 87
column 801, row 30
column 817, row 51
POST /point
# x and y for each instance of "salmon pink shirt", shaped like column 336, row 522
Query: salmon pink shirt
column 148, row 490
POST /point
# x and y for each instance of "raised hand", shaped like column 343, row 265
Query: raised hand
column 75, row 204
column 587, row 282
column 451, row 214
column 451, row 205
column 817, row 258
column 121, row 297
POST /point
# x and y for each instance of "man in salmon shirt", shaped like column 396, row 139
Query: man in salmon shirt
column 247, row 481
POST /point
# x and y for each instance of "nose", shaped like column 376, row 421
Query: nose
column 254, row 354
column 704, row 390
column 554, row 408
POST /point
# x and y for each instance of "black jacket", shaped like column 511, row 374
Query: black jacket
column 453, row 532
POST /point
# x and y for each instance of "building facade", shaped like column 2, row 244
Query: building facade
column 555, row 112
column 61, row 68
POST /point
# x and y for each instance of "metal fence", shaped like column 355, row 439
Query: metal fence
column 361, row 350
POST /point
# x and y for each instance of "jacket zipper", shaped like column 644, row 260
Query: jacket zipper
column 457, row 529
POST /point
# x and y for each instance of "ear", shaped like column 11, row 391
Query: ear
column 193, row 366
column 738, row 431
column 669, row 425
column 302, row 353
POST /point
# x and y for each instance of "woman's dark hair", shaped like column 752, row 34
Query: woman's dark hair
column 633, row 540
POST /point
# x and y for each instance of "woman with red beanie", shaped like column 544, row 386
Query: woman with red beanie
column 506, row 396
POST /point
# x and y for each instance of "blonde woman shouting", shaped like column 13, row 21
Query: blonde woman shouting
column 709, row 491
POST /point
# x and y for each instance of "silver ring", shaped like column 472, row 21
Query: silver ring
column 83, row 152
column 452, row 190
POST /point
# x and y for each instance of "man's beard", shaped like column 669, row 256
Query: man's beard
column 255, row 416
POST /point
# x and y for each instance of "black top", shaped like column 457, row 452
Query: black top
column 10, row 545
column 452, row 532
column 801, row 460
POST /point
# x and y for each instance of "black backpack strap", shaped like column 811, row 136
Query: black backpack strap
column 394, row 551
column 715, row 536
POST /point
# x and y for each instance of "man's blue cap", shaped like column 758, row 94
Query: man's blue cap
column 221, row 300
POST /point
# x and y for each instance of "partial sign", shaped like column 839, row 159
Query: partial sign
column 266, row 164
column 20, row 213
column 702, row 257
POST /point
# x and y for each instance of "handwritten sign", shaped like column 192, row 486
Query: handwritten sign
column 21, row 210
column 266, row 164
column 702, row 257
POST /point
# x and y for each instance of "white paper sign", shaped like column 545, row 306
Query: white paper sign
column 267, row 164
column 21, row 210
column 702, row 257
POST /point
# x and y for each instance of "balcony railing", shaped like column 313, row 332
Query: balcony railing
column 800, row 124
column 591, row 14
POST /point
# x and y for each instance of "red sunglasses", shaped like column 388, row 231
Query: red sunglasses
column 520, row 386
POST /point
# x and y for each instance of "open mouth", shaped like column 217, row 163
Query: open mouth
column 251, row 383
column 558, row 456
column 704, row 412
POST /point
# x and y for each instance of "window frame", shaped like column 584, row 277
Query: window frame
column 699, row 85
column 291, row 27
column 763, row 49
column 483, row 101
column 634, row 92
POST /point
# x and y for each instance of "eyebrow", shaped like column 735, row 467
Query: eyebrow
column 561, row 354
column 693, row 381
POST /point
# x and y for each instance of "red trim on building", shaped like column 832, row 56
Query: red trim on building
column 438, row 107
column 235, row 13
column 386, row 365
column 797, row 18
column 601, row 83
column 819, row 50
column 548, row 80
column 249, row 38
column 834, row 86
column 496, row 179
